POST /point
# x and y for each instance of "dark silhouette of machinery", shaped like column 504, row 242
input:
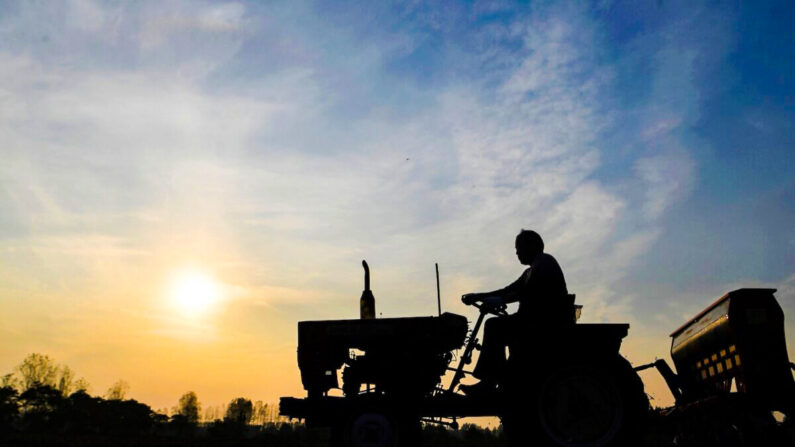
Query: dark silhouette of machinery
column 398, row 356
column 563, row 387
column 732, row 372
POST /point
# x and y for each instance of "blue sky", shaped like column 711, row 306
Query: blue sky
column 276, row 144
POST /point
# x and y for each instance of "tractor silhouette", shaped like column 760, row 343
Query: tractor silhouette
column 563, row 387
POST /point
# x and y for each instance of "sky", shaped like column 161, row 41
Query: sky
column 264, row 149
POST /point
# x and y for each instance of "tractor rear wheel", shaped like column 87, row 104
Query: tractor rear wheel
column 588, row 405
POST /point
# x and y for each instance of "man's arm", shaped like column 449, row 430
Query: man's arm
column 509, row 293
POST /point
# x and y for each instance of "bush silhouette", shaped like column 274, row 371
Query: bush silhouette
column 9, row 407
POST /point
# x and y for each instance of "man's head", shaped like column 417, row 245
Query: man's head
column 528, row 245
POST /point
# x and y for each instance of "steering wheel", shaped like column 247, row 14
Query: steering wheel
column 500, row 310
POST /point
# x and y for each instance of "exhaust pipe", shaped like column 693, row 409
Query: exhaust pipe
column 367, row 302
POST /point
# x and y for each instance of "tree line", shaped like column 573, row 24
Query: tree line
column 42, row 401
column 42, row 396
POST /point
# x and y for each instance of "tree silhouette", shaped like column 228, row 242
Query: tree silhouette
column 37, row 369
column 118, row 391
column 260, row 415
column 40, row 405
column 127, row 416
column 40, row 399
column 81, row 384
column 66, row 380
column 8, row 380
column 9, row 407
column 189, row 408
column 239, row 411
column 84, row 412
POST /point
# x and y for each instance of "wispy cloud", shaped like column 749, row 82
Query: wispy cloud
column 476, row 165
column 668, row 178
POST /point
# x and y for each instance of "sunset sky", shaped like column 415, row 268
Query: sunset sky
column 182, row 182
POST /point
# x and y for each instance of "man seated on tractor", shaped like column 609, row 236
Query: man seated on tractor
column 543, row 302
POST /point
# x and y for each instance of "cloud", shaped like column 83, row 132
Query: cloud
column 187, row 39
column 476, row 165
column 179, row 20
column 585, row 219
column 668, row 178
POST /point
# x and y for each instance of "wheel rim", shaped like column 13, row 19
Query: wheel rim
column 580, row 408
column 372, row 430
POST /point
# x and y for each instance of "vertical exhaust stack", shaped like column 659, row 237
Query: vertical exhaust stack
column 367, row 302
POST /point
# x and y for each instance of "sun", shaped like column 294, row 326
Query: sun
column 194, row 293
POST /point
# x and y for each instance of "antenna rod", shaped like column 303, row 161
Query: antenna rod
column 438, row 294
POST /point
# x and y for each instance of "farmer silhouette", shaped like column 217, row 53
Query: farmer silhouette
column 543, row 302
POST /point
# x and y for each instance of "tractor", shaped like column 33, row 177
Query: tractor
column 566, row 386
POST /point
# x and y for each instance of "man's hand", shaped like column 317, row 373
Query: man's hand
column 493, row 302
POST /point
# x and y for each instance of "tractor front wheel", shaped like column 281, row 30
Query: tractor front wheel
column 376, row 428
